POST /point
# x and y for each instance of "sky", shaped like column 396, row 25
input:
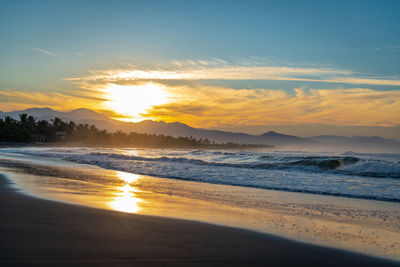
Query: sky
column 306, row 67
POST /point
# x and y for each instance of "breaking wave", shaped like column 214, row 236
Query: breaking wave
column 370, row 176
column 345, row 165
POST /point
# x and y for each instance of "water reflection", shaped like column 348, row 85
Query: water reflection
column 126, row 199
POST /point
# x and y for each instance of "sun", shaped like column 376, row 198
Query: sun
column 132, row 101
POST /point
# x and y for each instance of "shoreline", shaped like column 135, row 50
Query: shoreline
column 217, row 146
column 366, row 195
column 43, row 232
column 362, row 226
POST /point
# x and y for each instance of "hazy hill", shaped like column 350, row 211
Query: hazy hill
column 357, row 143
column 325, row 142
column 152, row 127
column 81, row 115
column 48, row 113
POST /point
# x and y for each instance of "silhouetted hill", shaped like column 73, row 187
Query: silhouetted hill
column 283, row 139
column 358, row 143
column 86, row 113
column 176, row 129
column 81, row 115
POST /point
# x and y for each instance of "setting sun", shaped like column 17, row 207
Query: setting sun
column 132, row 101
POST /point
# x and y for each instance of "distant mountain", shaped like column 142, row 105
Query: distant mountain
column 358, row 143
column 179, row 129
column 86, row 114
column 283, row 139
column 41, row 113
column 176, row 129
column 81, row 115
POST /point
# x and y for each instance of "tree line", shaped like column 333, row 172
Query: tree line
column 57, row 131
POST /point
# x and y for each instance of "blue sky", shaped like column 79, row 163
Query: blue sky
column 362, row 36
column 42, row 43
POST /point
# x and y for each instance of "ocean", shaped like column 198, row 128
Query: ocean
column 349, row 174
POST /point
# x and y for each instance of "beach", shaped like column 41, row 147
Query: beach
column 58, row 212
column 42, row 233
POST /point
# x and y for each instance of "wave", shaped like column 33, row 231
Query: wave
column 349, row 163
column 347, row 175
column 226, row 177
column 341, row 165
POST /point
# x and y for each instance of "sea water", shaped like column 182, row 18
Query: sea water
column 349, row 174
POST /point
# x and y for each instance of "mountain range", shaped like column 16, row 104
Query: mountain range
column 176, row 129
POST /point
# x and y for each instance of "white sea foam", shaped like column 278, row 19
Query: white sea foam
column 370, row 176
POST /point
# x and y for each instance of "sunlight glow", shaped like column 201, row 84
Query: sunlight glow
column 126, row 200
column 128, row 177
column 132, row 101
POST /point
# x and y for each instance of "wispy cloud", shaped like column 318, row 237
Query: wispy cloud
column 390, row 48
column 46, row 52
column 221, row 70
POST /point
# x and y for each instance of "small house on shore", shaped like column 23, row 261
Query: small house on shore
column 38, row 139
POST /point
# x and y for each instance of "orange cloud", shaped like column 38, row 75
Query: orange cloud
column 218, row 106
column 210, row 106
column 16, row 100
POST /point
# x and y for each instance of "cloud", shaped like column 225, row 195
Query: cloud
column 196, row 104
column 215, row 70
column 222, row 107
column 46, row 52
column 15, row 100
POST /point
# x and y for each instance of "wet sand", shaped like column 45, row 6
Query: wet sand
column 363, row 226
column 42, row 232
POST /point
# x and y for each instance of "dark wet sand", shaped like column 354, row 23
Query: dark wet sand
column 42, row 233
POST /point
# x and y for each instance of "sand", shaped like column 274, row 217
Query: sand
column 41, row 232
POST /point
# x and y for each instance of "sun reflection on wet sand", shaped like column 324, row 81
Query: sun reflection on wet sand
column 366, row 226
column 126, row 200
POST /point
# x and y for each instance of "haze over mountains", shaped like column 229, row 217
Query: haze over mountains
column 280, row 141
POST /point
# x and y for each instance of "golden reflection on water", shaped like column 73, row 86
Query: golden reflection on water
column 126, row 199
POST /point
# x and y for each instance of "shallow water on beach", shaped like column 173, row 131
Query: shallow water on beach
column 350, row 174
column 367, row 226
